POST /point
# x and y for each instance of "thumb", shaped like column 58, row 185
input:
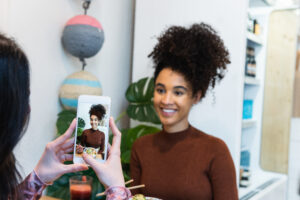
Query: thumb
column 75, row 168
column 90, row 161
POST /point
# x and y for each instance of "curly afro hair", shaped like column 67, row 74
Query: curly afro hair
column 98, row 110
column 197, row 53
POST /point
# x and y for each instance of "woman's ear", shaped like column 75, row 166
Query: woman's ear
column 197, row 97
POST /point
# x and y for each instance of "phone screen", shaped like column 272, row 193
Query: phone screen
column 92, row 128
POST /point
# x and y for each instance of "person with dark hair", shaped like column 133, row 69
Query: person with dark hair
column 93, row 137
column 14, row 117
column 182, row 162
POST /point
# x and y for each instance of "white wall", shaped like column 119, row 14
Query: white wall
column 37, row 27
column 222, row 119
column 294, row 161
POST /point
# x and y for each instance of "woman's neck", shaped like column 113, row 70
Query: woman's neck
column 176, row 128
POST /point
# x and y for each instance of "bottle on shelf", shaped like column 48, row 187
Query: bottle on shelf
column 256, row 27
column 245, row 173
column 250, row 62
column 247, row 108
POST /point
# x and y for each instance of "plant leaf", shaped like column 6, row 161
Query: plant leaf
column 139, row 95
column 79, row 132
column 123, row 140
column 138, row 131
column 125, row 157
column 64, row 120
column 81, row 122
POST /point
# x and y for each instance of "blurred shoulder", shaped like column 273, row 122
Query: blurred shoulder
column 86, row 131
column 144, row 140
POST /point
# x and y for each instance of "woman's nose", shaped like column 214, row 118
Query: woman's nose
column 167, row 98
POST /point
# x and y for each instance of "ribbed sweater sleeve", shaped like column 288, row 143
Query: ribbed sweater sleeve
column 222, row 174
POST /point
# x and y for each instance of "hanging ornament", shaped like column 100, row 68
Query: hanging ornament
column 77, row 84
column 83, row 35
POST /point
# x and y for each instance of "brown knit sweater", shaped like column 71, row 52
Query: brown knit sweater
column 184, row 165
column 93, row 138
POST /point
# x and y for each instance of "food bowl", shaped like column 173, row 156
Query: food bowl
column 91, row 151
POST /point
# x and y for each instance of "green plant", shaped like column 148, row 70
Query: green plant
column 140, row 95
column 80, row 127
column 81, row 122
column 64, row 120
column 140, row 108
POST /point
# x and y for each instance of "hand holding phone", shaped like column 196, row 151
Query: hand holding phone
column 51, row 165
column 110, row 172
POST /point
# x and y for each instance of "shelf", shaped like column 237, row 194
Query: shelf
column 254, row 38
column 247, row 123
column 251, row 81
column 261, row 3
column 260, row 182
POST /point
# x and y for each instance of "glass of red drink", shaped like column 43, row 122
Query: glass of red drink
column 81, row 187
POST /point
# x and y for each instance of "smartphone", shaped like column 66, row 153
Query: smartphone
column 92, row 128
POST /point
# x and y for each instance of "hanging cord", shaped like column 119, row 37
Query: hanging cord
column 83, row 63
column 86, row 5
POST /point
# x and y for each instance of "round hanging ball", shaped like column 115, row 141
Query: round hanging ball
column 83, row 36
column 78, row 84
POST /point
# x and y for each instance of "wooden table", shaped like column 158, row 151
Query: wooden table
column 48, row 198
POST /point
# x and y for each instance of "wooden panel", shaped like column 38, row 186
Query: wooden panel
column 278, row 92
column 296, row 99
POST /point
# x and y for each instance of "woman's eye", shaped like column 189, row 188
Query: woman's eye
column 178, row 93
column 159, row 90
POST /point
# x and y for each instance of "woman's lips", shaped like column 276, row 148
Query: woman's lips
column 167, row 112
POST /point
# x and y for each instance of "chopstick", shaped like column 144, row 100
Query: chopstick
column 136, row 187
column 100, row 194
column 130, row 181
column 129, row 188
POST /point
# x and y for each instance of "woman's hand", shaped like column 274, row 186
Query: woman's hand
column 79, row 149
column 50, row 166
column 110, row 172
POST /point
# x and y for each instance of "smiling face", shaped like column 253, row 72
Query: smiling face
column 94, row 122
column 173, row 99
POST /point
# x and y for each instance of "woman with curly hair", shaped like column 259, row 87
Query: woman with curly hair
column 182, row 162
column 93, row 137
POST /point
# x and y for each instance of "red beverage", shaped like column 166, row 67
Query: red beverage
column 81, row 192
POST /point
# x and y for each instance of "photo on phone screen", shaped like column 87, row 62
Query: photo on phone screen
column 92, row 128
